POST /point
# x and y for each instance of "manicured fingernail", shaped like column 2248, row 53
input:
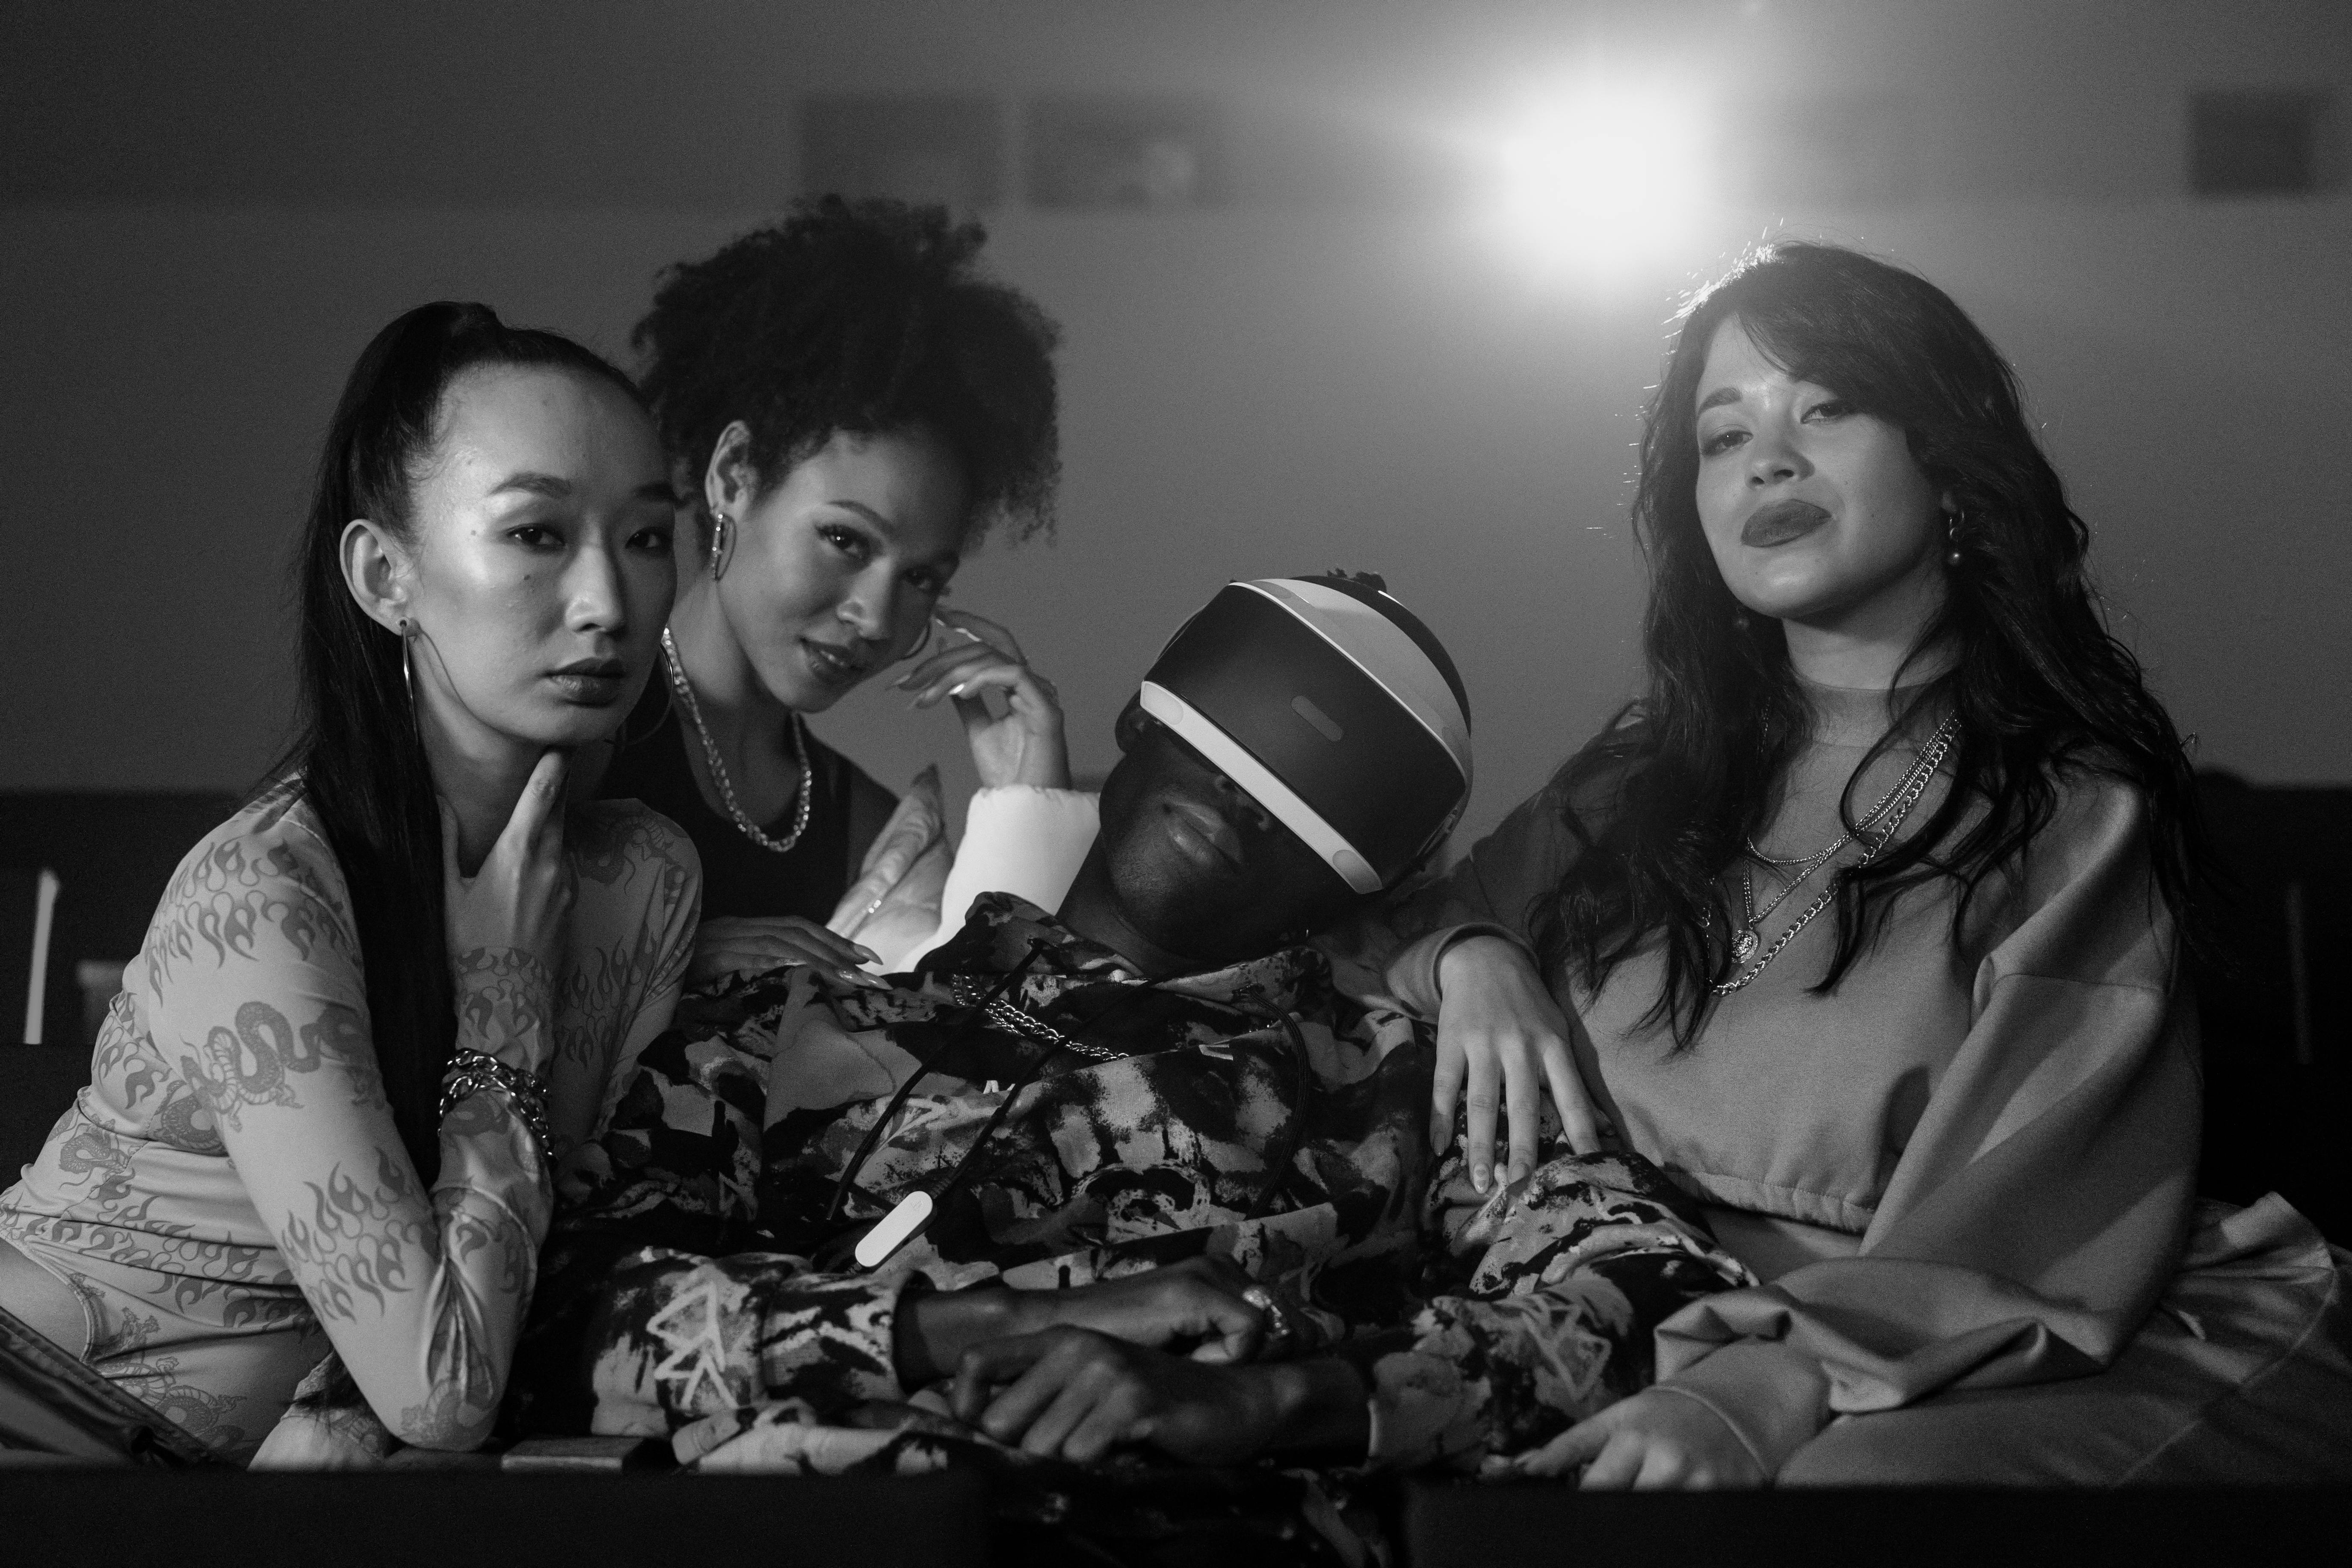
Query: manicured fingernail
column 956, row 690
column 1519, row 1172
column 1480, row 1177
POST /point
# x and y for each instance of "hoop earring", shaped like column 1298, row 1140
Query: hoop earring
column 720, row 523
column 407, row 675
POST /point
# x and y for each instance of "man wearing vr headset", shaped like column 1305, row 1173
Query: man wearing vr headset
column 1128, row 1177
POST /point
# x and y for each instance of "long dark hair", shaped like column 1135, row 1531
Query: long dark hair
column 869, row 317
column 357, row 753
column 2040, row 685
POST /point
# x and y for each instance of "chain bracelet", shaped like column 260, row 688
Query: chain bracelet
column 478, row 1072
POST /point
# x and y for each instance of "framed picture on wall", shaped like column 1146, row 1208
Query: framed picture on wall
column 1115, row 150
column 943, row 148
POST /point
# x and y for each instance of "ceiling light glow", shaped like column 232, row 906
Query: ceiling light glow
column 1600, row 175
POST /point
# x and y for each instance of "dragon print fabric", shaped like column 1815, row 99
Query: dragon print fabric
column 211, row 1282
column 697, row 1283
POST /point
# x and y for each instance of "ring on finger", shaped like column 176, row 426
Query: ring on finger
column 1279, row 1329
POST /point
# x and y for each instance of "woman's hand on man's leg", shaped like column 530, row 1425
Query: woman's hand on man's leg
column 1501, row 1042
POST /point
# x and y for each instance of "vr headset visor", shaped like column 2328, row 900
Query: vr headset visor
column 1334, row 707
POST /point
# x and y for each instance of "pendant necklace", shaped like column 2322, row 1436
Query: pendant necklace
column 1746, row 940
column 1893, row 807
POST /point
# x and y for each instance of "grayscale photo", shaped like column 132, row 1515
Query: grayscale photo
column 1175, row 784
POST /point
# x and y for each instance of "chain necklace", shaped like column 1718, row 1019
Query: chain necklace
column 912, row 1214
column 1744, row 940
column 1813, row 863
column 1007, row 1016
column 743, row 824
column 1895, row 807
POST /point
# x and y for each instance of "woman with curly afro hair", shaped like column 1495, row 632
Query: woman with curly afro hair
column 849, row 405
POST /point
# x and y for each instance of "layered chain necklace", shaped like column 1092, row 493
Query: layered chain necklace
column 1745, row 939
column 743, row 824
column 1876, row 830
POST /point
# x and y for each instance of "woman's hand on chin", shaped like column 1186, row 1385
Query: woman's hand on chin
column 1657, row 1440
column 1025, row 746
column 1502, row 1038
column 505, row 924
column 727, row 946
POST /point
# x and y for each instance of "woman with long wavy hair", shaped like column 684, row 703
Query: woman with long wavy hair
column 1866, row 920
column 380, row 999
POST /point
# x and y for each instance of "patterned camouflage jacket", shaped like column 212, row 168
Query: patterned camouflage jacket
column 698, row 1283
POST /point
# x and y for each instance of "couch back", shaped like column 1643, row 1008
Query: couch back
column 114, row 851
column 2277, row 1018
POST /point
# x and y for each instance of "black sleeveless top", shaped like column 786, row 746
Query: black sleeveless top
column 739, row 877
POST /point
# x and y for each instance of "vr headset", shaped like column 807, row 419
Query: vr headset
column 1331, row 705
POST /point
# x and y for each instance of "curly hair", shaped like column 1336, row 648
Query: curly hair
column 866, row 317
column 2041, row 686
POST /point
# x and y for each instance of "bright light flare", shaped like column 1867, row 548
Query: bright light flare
column 1601, row 176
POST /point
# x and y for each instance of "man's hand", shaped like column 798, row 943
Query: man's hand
column 1657, row 1440
column 1194, row 1308
column 1076, row 1395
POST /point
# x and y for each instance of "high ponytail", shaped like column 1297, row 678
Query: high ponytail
column 357, row 756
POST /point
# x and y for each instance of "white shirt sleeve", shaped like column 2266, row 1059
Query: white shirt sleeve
column 1018, row 839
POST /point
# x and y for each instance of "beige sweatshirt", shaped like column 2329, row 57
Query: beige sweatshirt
column 1971, row 1165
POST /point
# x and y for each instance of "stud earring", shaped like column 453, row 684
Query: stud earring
column 720, row 523
column 1952, row 553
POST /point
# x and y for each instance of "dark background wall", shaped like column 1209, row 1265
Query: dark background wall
column 206, row 210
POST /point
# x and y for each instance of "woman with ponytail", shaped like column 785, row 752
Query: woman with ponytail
column 1867, row 924
column 376, row 1003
